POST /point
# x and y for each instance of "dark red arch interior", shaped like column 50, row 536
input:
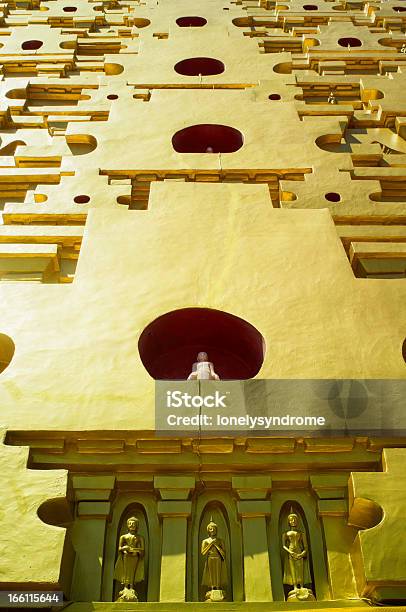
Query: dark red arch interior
column 404, row 349
column 349, row 41
column 207, row 138
column 31, row 45
column 168, row 346
column 191, row 22
column 193, row 66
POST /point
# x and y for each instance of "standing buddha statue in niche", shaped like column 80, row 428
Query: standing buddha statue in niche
column 129, row 568
column 215, row 569
column 203, row 369
column 296, row 563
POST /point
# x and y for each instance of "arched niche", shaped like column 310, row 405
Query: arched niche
column 138, row 511
column 292, row 507
column 216, row 512
column 168, row 345
column 143, row 506
column 305, row 502
column 7, row 349
column 208, row 138
column 220, row 506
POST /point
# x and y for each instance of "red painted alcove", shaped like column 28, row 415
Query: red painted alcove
column 191, row 22
column 194, row 66
column 168, row 346
column 207, row 138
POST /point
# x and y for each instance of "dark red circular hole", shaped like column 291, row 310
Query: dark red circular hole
column 399, row 9
column 274, row 97
column 349, row 42
column 169, row 345
column 207, row 138
column 112, row 97
column 199, row 65
column 81, row 199
column 31, row 45
column 331, row 196
column 70, row 9
column 404, row 349
column 191, row 22
column 310, row 7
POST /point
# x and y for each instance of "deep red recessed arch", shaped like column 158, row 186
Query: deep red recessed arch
column 349, row 41
column 169, row 345
column 404, row 350
column 310, row 7
column 194, row 66
column 191, row 22
column 31, row 45
column 207, row 138
column 70, row 9
column 332, row 196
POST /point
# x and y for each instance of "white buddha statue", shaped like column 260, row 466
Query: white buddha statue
column 203, row 369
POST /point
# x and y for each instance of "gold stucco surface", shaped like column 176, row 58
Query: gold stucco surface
column 105, row 227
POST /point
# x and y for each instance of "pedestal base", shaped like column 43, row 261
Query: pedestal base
column 302, row 594
column 127, row 595
column 215, row 595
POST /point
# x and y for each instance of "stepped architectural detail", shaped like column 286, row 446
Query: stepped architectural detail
column 201, row 192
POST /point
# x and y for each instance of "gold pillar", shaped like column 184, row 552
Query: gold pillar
column 254, row 509
column 174, row 511
column 89, row 533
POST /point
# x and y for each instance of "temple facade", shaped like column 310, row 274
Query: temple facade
column 219, row 188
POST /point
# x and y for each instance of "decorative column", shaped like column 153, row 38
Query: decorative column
column 174, row 509
column 93, row 509
column 332, row 508
column 254, row 508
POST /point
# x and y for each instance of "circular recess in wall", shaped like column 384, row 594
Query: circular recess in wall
column 191, row 22
column 310, row 7
column 81, row 199
column 283, row 68
column 31, row 45
column 169, row 345
column 399, row 9
column 404, row 349
column 7, row 349
column 207, row 138
column 112, row 97
column 332, row 196
column 274, row 96
column 349, row 41
column 112, row 69
column 195, row 66
column 70, row 9
column 140, row 22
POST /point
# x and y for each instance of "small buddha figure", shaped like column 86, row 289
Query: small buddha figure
column 296, row 571
column 129, row 568
column 331, row 98
column 215, row 569
column 203, row 369
column 403, row 48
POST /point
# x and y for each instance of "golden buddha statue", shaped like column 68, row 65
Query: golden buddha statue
column 215, row 569
column 129, row 568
